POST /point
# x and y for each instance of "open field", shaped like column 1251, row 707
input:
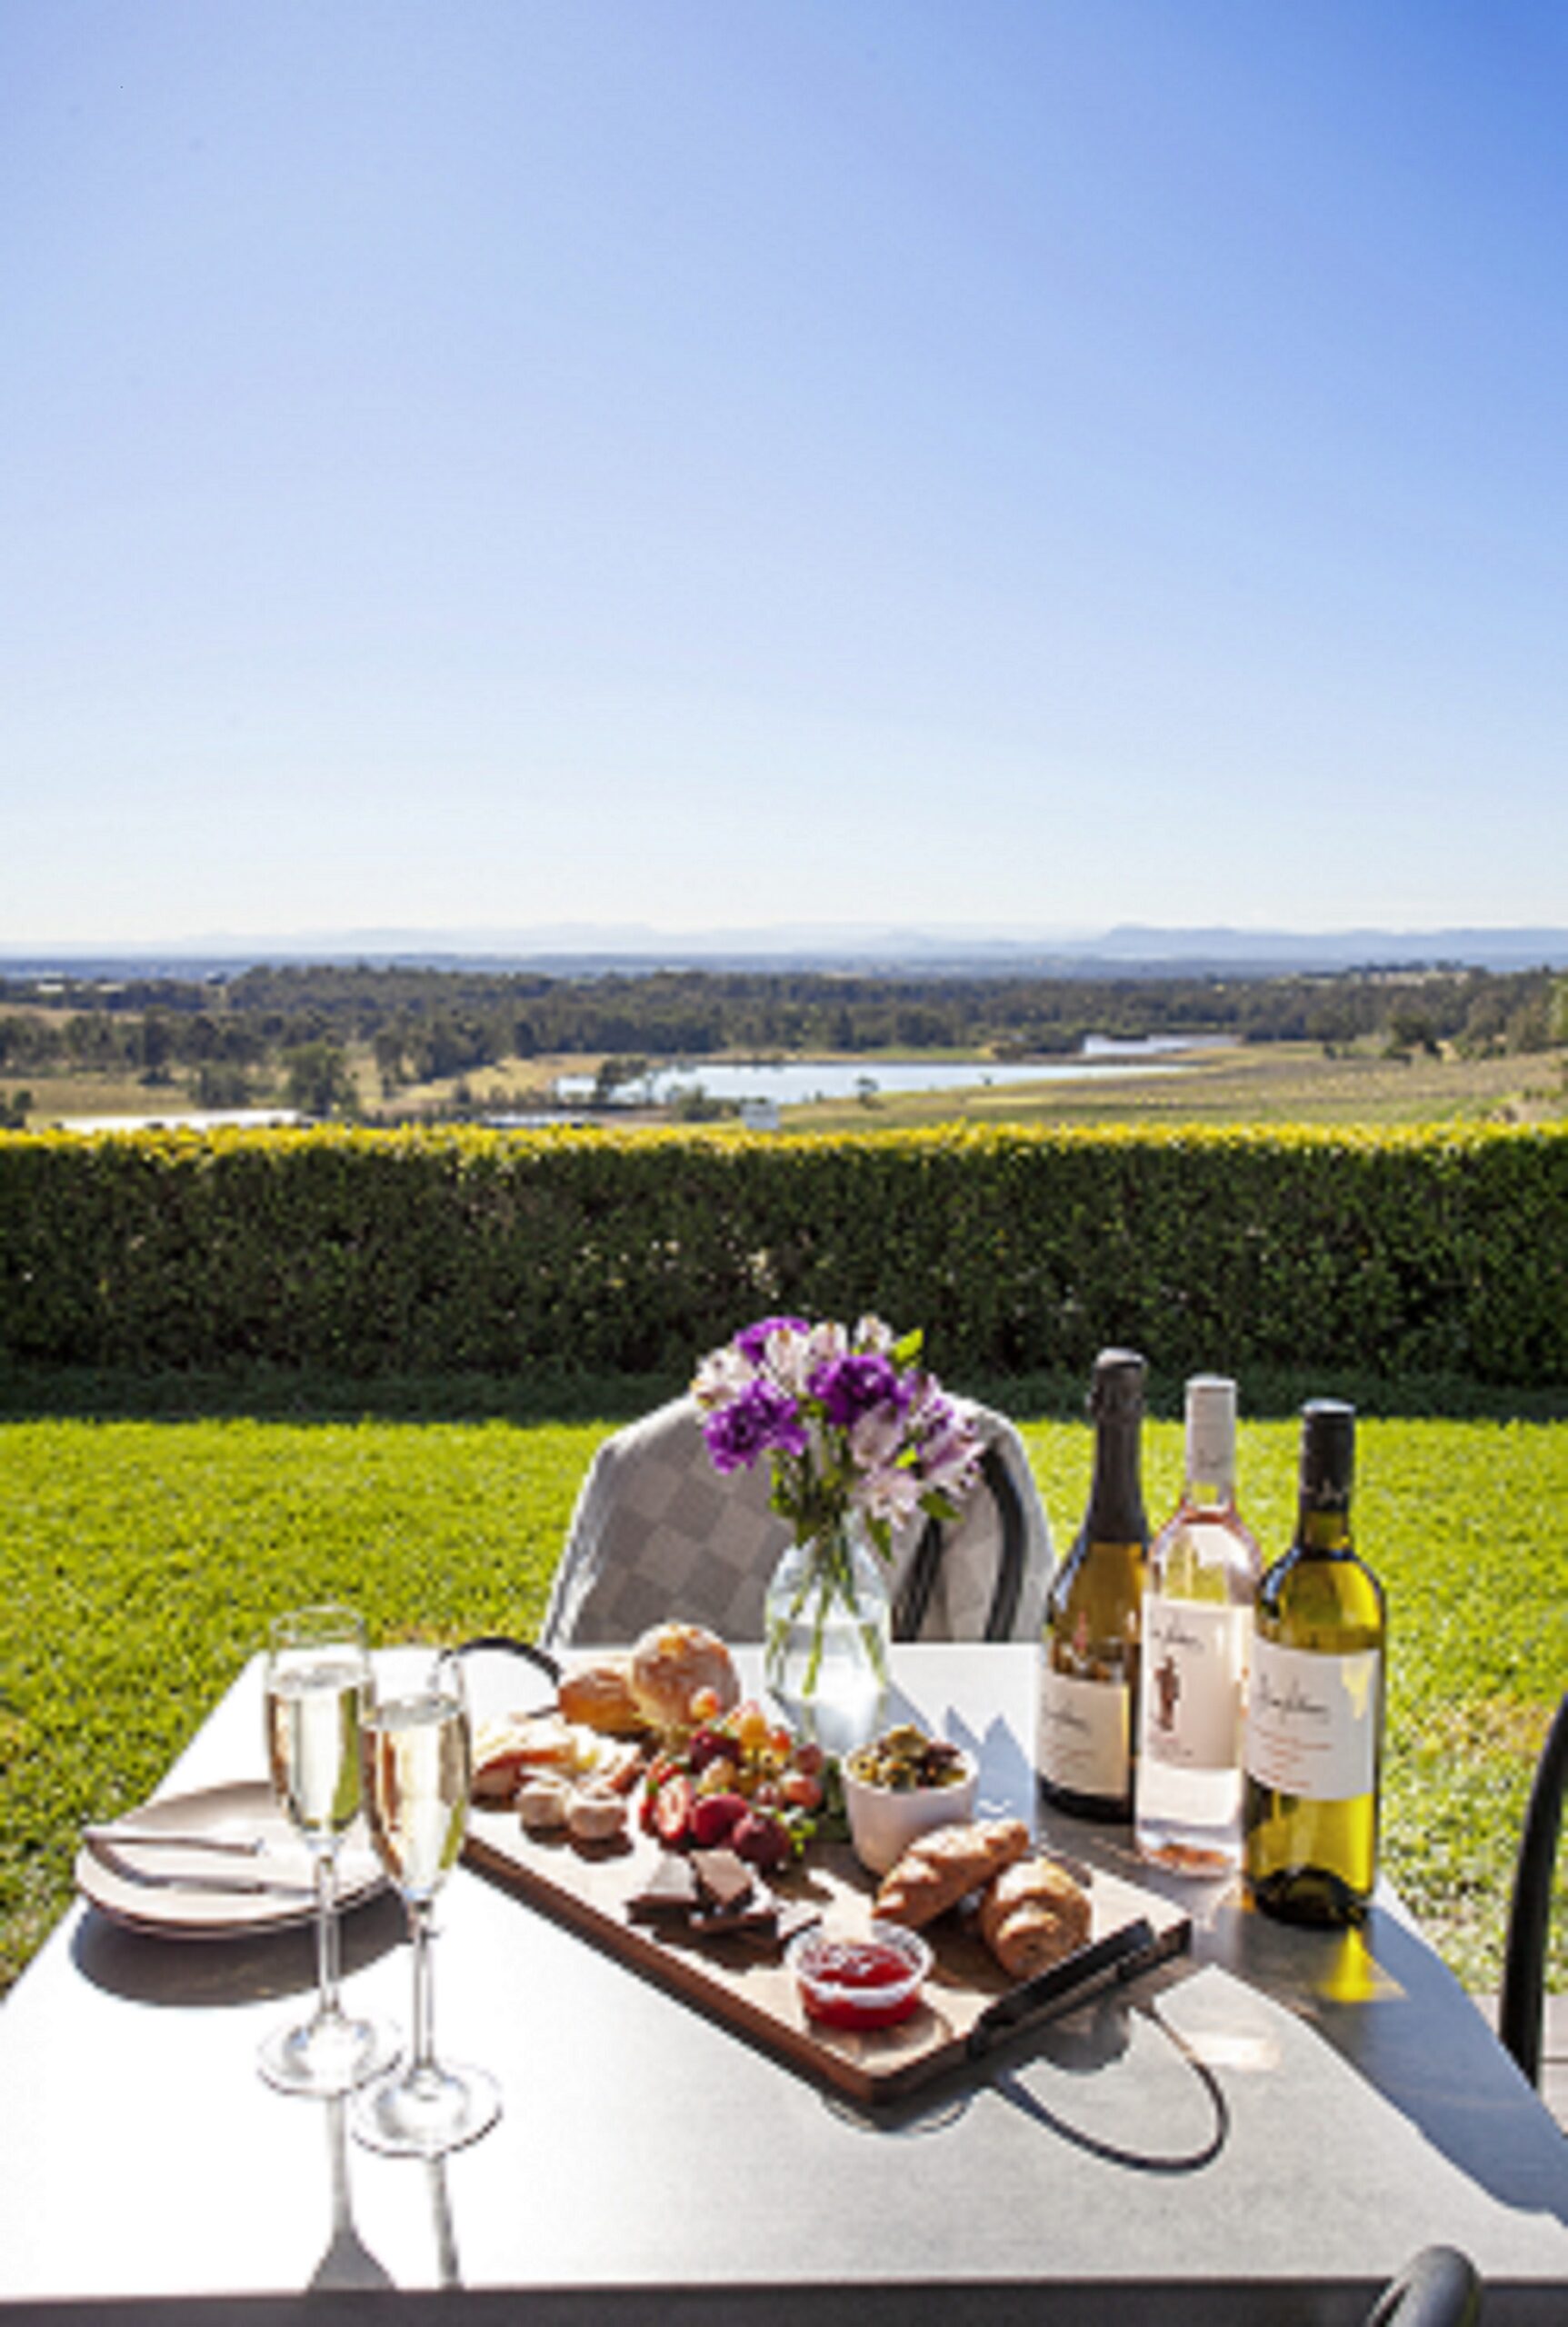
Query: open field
column 1260, row 1082
column 53, row 1096
column 142, row 1558
column 1252, row 1082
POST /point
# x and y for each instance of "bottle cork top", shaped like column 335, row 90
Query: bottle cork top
column 1210, row 1456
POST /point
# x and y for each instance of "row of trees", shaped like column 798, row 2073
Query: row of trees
column 288, row 1030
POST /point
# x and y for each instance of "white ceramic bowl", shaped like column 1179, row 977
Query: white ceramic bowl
column 885, row 1820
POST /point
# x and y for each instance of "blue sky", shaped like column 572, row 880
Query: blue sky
column 1025, row 464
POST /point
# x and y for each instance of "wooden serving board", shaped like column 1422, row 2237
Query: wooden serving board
column 588, row 1887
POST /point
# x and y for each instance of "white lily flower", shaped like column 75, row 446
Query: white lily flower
column 888, row 1494
column 824, row 1343
column 789, row 1359
column 721, row 1377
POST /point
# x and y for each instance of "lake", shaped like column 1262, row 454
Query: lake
column 792, row 1082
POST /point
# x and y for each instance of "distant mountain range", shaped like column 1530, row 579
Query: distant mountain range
column 579, row 949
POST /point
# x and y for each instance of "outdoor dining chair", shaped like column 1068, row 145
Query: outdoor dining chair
column 1439, row 2287
column 658, row 1533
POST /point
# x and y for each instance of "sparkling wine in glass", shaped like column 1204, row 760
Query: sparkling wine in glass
column 418, row 1761
column 318, row 1693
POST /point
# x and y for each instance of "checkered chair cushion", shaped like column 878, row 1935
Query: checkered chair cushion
column 658, row 1533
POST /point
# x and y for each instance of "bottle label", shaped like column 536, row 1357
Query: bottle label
column 1085, row 1734
column 1194, row 1678
column 1313, row 1722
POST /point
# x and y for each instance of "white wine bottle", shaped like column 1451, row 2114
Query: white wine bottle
column 1196, row 1640
column 1089, row 1656
column 1315, row 1707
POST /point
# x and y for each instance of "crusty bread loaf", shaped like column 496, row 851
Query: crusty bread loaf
column 1032, row 1915
column 670, row 1665
column 946, row 1865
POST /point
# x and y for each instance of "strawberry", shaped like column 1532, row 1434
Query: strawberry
column 714, row 1816
column 673, row 1805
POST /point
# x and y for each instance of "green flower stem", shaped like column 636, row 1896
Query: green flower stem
column 828, row 1572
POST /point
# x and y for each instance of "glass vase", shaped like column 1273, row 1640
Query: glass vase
column 828, row 1619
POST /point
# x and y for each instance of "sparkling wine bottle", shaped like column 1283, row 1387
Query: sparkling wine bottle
column 1089, row 1656
column 1197, row 1625
column 1315, row 1711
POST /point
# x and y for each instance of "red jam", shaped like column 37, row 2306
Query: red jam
column 847, row 1984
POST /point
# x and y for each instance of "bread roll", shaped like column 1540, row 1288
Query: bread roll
column 1032, row 1914
column 670, row 1665
column 945, row 1867
column 599, row 1695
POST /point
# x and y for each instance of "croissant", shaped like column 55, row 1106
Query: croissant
column 1032, row 1915
column 945, row 1866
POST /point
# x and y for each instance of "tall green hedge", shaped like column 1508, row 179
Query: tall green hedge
column 1430, row 1251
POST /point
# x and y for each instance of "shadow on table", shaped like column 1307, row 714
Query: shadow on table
column 346, row 2261
column 1080, row 2044
column 249, row 1968
column 1394, row 2012
column 1379, row 1997
column 347, row 2265
column 1105, row 2026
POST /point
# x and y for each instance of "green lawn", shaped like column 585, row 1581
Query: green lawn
column 141, row 1558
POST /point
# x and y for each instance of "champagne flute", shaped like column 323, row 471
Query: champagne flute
column 317, row 1692
column 418, row 1761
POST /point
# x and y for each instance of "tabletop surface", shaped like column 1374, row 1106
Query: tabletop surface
column 1285, row 2105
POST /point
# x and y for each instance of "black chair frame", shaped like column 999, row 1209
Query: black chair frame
column 914, row 1598
column 1522, row 2002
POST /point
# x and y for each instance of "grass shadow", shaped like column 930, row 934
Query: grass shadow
column 279, row 1393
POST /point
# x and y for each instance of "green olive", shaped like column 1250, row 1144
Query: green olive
column 905, row 1760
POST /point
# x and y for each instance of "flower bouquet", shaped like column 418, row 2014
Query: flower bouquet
column 859, row 1438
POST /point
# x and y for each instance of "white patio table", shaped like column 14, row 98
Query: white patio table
column 1263, row 2131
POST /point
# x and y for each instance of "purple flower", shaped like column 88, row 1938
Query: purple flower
column 751, row 1342
column 851, row 1386
column 761, row 1418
